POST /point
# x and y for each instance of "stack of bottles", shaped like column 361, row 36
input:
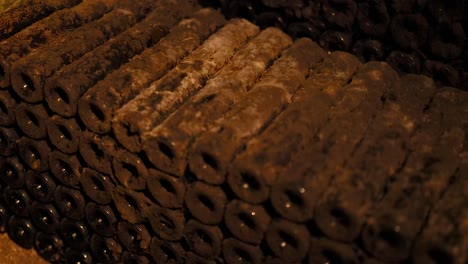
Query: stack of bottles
column 413, row 36
column 161, row 132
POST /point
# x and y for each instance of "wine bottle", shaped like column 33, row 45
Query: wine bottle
column 132, row 205
column 63, row 133
column 129, row 170
column 235, row 251
column 101, row 218
column 287, row 240
column 31, row 119
column 21, row 231
column 70, row 202
column 41, row 186
column 45, row 216
column 105, row 249
column 167, row 190
column 134, row 237
column 246, row 222
column 166, row 252
column 34, row 153
column 97, row 186
column 49, row 246
column 206, row 202
column 204, row 240
column 17, row 200
column 66, row 168
column 74, row 233
column 77, row 256
column 168, row 224
column 12, row 171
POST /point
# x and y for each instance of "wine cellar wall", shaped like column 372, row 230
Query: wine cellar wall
column 178, row 131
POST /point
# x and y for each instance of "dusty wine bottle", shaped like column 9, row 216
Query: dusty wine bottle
column 204, row 240
column 236, row 251
column 66, row 168
column 101, row 218
column 74, row 233
column 17, row 200
column 21, row 231
column 287, row 240
column 70, row 202
column 167, row 190
column 166, row 252
column 32, row 120
column 72, row 255
column 49, row 246
column 129, row 169
column 34, row 153
column 41, row 186
column 246, row 222
column 106, row 250
column 97, row 150
column 45, row 216
column 63, row 133
column 132, row 205
column 168, row 224
column 12, row 172
column 206, row 202
column 134, row 237
column 97, row 186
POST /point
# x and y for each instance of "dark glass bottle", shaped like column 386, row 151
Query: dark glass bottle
column 134, row 237
column 49, row 246
column 17, row 200
column 76, row 256
column 12, row 172
column 66, row 168
column 97, row 186
column 21, row 231
column 70, row 202
column 101, row 218
column 105, row 249
column 74, row 233
column 34, row 153
column 41, row 186
column 166, row 252
column 45, row 217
